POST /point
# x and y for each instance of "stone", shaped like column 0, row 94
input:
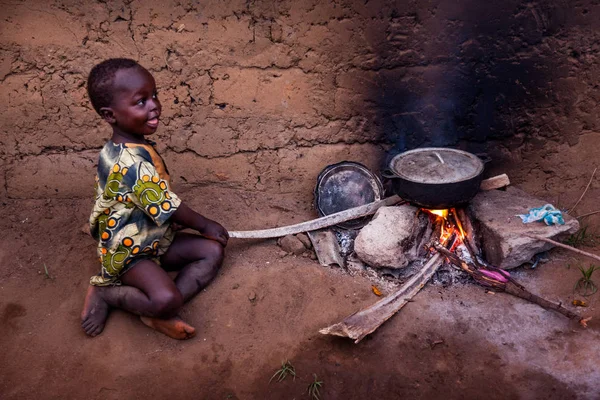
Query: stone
column 303, row 237
column 291, row 244
column 502, row 234
column 393, row 237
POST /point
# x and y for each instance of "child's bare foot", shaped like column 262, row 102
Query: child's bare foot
column 95, row 312
column 173, row 327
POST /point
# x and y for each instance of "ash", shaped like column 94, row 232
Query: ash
column 390, row 279
column 449, row 274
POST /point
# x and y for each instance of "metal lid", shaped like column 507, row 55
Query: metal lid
column 436, row 165
column 346, row 185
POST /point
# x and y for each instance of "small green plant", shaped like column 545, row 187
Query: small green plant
column 313, row 388
column 286, row 369
column 581, row 238
column 46, row 272
column 585, row 286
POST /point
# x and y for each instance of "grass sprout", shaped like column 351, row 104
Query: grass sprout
column 581, row 238
column 585, row 286
column 313, row 388
column 286, row 369
column 48, row 276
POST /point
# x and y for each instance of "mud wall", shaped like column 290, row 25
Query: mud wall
column 261, row 95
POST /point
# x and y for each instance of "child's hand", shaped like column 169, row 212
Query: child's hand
column 206, row 227
column 215, row 231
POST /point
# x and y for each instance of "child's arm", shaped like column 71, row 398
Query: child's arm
column 206, row 227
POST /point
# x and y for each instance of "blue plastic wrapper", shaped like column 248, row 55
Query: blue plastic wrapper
column 547, row 213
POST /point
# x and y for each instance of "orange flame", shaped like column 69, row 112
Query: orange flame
column 447, row 227
column 439, row 213
column 460, row 228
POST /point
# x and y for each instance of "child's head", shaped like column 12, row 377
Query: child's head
column 124, row 94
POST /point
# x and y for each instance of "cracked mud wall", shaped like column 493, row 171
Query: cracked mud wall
column 261, row 95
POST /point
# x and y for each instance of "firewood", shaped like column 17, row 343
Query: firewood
column 319, row 223
column 358, row 325
column 495, row 182
column 564, row 246
column 509, row 287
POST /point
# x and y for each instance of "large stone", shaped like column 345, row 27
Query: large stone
column 392, row 239
column 503, row 235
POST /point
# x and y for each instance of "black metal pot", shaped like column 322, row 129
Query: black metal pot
column 435, row 178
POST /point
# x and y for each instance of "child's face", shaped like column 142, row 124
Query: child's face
column 135, row 106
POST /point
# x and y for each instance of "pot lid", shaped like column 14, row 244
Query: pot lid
column 436, row 165
column 346, row 185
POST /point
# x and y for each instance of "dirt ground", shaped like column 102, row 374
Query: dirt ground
column 454, row 342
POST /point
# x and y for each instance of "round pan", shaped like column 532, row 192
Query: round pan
column 346, row 185
column 436, row 178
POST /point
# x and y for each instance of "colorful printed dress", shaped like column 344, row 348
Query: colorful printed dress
column 130, row 218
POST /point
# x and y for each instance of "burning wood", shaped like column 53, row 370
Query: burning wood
column 501, row 281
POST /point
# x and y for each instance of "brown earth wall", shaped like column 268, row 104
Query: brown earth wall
column 261, row 95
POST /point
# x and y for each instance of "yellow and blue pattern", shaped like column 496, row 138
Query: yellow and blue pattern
column 132, row 208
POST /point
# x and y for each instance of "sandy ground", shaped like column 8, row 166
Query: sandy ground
column 488, row 346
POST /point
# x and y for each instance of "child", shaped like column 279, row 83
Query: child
column 135, row 212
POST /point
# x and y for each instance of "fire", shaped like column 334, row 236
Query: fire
column 439, row 213
column 449, row 226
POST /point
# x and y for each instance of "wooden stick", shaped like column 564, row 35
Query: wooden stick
column 358, row 325
column 584, row 192
column 495, row 182
column 319, row 223
column 588, row 214
column 510, row 287
column 346, row 215
column 517, row 291
column 564, row 246
column 461, row 219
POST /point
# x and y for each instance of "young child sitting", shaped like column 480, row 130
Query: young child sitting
column 135, row 212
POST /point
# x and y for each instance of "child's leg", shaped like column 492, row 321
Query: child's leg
column 199, row 260
column 148, row 291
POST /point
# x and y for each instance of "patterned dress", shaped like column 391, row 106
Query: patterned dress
column 130, row 218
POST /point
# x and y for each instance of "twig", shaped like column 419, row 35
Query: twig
column 588, row 214
column 584, row 192
column 564, row 246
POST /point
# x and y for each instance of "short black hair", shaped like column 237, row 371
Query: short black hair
column 101, row 78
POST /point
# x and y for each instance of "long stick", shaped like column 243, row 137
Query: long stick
column 318, row 223
column 564, row 246
column 343, row 216
column 358, row 325
column 588, row 214
column 584, row 192
column 509, row 287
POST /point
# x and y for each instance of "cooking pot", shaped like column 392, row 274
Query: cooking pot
column 435, row 177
